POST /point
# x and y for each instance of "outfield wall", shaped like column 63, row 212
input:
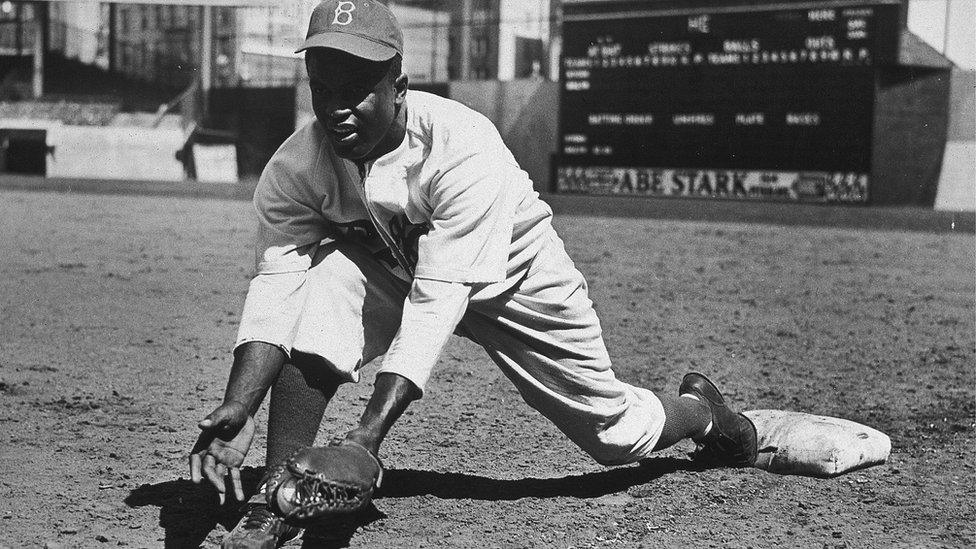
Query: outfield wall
column 957, row 180
column 109, row 152
column 525, row 111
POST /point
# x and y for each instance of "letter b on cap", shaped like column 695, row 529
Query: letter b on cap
column 343, row 13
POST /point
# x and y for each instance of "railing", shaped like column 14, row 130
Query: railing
column 189, row 103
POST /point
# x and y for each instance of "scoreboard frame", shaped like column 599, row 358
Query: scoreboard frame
column 632, row 123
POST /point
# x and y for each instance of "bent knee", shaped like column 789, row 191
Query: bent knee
column 610, row 455
column 626, row 439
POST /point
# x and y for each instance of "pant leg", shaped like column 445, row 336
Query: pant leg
column 352, row 311
column 298, row 400
column 547, row 340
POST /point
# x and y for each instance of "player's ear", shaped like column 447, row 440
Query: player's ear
column 400, row 86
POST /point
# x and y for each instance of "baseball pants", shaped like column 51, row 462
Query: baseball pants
column 543, row 333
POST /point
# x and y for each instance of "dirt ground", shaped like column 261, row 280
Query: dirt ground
column 119, row 312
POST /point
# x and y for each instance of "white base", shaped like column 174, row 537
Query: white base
column 794, row 443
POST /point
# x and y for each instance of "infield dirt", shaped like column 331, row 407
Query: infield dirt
column 119, row 312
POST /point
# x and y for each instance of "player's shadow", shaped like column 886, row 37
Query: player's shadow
column 189, row 513
column 402, row 483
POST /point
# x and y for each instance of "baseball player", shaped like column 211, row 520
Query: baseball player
column 393, row 220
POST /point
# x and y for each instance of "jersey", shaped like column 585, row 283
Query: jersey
column 448, row 205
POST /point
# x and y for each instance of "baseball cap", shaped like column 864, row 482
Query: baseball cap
column 364, row 28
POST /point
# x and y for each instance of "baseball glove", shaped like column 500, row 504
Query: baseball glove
column 328, row 480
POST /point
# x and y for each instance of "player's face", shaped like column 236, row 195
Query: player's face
column 356, row 102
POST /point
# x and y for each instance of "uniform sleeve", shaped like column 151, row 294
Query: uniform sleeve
column 431, row 312
column 471, row 223
column 289, row 231
column 288, row 223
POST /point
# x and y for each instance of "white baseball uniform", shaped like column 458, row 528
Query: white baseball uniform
column 444, row 233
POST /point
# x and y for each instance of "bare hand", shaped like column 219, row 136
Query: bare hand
column 221, row 447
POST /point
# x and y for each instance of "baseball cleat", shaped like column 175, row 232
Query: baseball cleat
column 732, row 441
column 260, row 528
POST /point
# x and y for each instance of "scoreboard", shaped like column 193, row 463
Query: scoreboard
column 765, row 103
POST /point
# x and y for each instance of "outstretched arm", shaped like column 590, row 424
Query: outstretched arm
column 226, row 433
column 256, row 367
column 392, row 394
column 430, row 314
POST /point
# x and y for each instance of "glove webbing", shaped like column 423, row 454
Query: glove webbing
column 317, row 493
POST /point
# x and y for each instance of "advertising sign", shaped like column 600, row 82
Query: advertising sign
column 695, row 183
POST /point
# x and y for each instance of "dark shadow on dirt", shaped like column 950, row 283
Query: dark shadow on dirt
column 401, row 483
column 189, row 512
